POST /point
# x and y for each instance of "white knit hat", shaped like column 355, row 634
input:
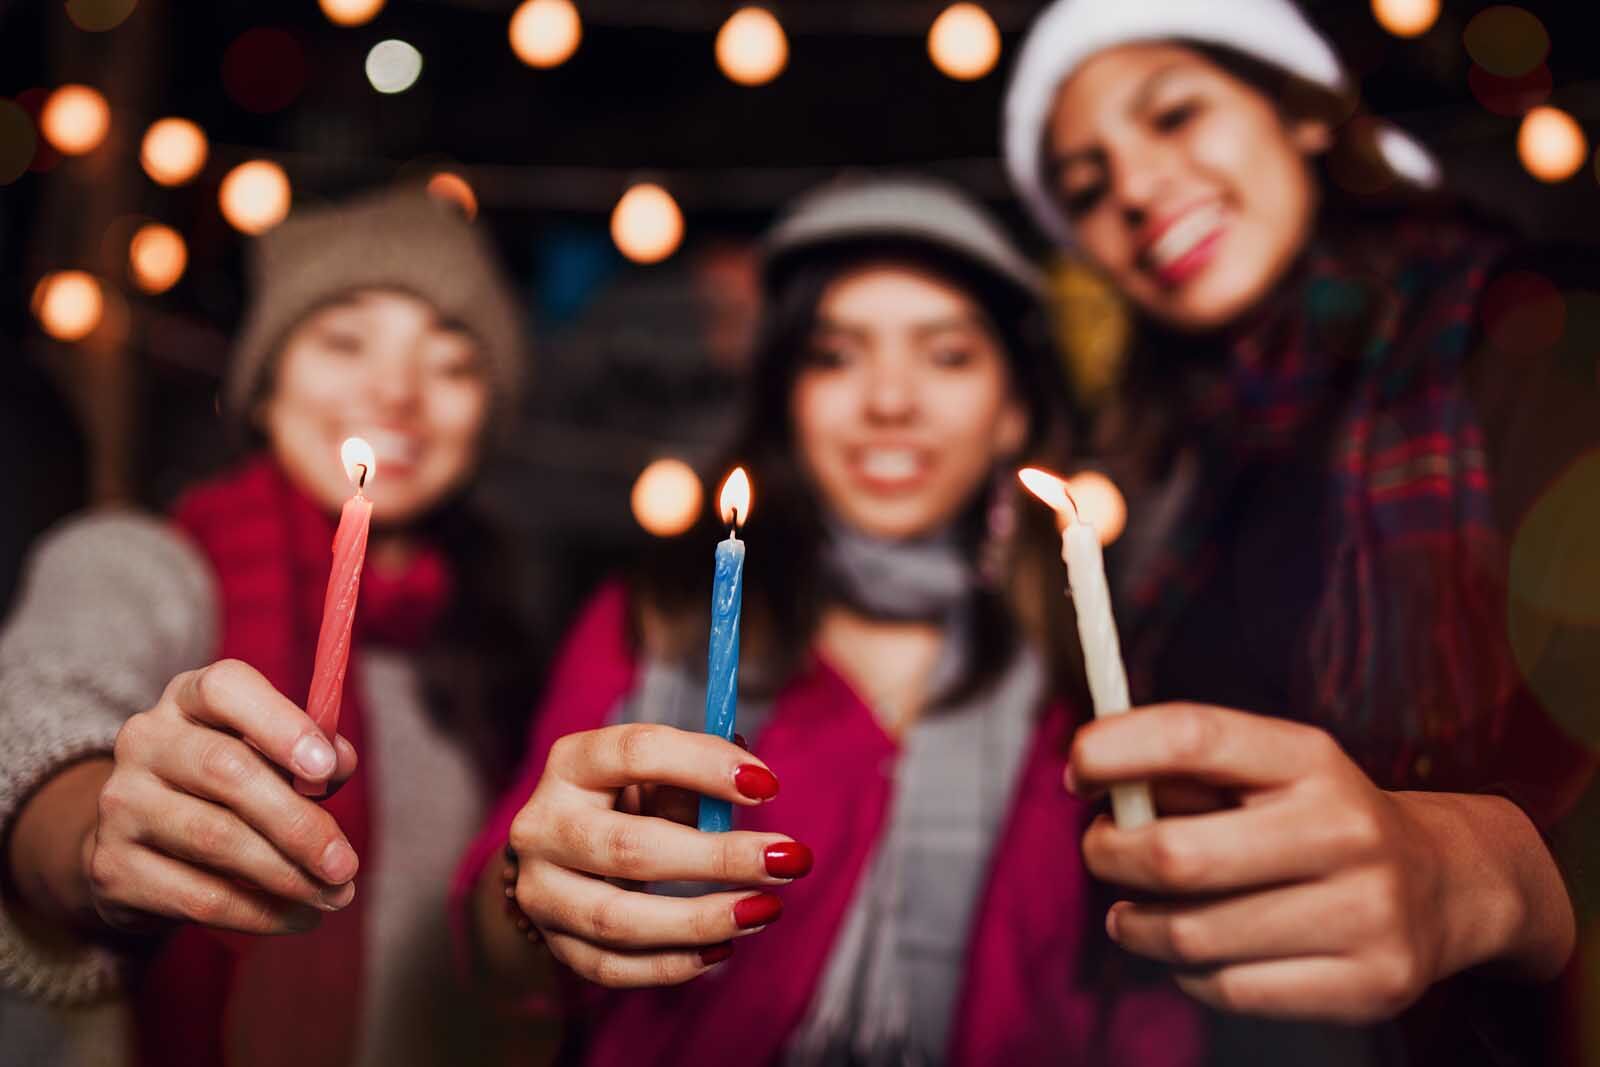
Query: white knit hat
column 1071, row 31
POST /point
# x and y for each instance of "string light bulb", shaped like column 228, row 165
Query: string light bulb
column 255, row 196
column 1551, row 144
column 173, row 151
column 157, row 257
column 666, row 497
column 751, row 46
column 1406, row 18
column 69, row 304
column 964, row 42
column 646, row 224
column 545, row 33
column 351, row 12
column 75, row 119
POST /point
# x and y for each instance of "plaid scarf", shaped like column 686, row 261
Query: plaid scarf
column 1367, row 343
column 211, row 998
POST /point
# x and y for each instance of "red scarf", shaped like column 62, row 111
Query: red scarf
column 210, row 998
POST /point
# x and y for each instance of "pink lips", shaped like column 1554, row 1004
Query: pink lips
column 1191, row 262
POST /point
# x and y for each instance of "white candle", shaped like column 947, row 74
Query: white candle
column 1131, row 805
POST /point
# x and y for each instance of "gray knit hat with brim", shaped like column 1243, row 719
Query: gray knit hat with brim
column 396, row 239
column 911, row 209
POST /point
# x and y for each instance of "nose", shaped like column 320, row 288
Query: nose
column 891, row 394
column 1141, row 174
column 395, row 383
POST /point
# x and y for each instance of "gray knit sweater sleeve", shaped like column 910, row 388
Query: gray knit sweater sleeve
column 110, row 608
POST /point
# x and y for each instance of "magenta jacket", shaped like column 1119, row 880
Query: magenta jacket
column 1031, row 993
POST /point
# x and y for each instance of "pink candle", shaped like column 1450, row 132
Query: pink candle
column 344, row 583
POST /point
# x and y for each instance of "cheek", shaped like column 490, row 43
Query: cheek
column 457, row 411
column 819, row 410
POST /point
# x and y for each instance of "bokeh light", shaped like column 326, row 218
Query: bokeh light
column 1406, row 18
column 264, row 70
column 452, row 187
column 255, row 196
column 97, row 16
column 1555, row 598
column 1099, row 502
column 964, row 42
column 17, row 142
column 646, row 224
column 157, row 257
column 173, row 151
column 393, row 66
column 1552, row 144
column 666, row 497
column 1512, row 97
column 545, row 33
column 351, row 12
column 751, row 46
column 69, row 304
column 75, row 119
column 1506, row 41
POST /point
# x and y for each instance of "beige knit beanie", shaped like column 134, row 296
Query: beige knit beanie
column 396, row 239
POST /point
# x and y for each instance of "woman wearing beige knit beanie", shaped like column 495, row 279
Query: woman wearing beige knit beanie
column 149, row 718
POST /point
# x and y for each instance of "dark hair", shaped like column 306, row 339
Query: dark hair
column 783, row 598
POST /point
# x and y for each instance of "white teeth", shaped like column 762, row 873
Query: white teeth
column 1182, row 237
column 889, row 464
column 393, row 447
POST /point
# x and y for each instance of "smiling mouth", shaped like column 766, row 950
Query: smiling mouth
column 890, row 468
column 394, row 449
column 1185, row 246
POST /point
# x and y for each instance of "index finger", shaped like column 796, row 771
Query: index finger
column 235, row 696
column 1198, row 741
column 615, row 757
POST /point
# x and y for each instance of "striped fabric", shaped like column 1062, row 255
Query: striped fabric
column 1368, row 345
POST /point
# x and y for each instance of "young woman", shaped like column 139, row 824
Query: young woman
column 149, row 718
column 900, row 805
column 1328, row 435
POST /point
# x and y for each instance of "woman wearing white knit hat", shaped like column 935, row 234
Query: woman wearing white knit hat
column 1327, row 433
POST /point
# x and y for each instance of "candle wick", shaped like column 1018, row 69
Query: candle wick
column 1074, row 503
column 361, row 482
column 733, row 530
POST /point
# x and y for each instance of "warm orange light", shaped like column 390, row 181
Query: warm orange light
column 69, row 304
column 1088, row 496
column 447, row 185
column 666, row 497
column 733, row 503
column 360, row 464
column 157, row 257
column 98, row 16
column 351, row 12
column 173, row 151
column 255, row 196
column 964, row 42
column 646, row 223
column 751, row 46
column 545, row 33
column 75, row 119
column 1552, row 144
column 1406, row 18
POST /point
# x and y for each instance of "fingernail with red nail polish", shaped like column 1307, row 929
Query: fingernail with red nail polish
column 756, row 782
column 788, row 859
column 716, row 953
column 758, row 910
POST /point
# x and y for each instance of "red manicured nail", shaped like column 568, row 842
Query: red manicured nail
column 716, row 953
column 756, row 782
column 758, row 910
column 788, row 859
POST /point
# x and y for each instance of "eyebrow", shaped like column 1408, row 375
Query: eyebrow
column 1139, row 102
column 920, row 330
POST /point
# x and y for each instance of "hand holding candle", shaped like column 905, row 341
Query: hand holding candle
column 722, row 669
column 1097, row 629
column 344, row 584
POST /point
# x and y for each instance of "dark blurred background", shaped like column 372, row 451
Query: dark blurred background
column 636, row 362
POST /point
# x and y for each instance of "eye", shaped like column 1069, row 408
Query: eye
column 1172, row 118
column 1082, row 201
column 345, row 342
column 826, row 357
column 953, row 357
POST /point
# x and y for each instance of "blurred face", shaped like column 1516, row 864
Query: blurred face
column 904, row 403
column 383, row 366
column 1184, row 183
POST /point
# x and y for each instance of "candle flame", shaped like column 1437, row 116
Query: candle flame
column 359, row 462
column 734, row 501
column 1049, row 488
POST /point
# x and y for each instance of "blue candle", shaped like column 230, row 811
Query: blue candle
column 722, row 668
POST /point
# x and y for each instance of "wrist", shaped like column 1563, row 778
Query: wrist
column 51, row 841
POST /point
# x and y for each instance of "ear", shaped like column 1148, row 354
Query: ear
column 1311, row 136
column 1011, row 431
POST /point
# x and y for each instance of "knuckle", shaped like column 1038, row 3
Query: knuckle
column 562, row 751
column 1396, row 982
column 1321, row 748
column 610, row 971
column 573, row 836
column 211, row 837
column 1230, row 993
column 308, row 829
column 213, row 683
column 131, row 738
column 668, row 970
column 606, row 920
column 113, row 801
column 205, row 904
column 624, row 851
column 1192, row 735
column 709, row 923
column 224, row 765
column 105, row 873
column 1188, row 941
column 635, row 747
column 1172, row 861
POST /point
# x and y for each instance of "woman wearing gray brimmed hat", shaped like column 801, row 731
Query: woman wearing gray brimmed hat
column 921, row 851
column 151, row 675
column 1326, row 438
